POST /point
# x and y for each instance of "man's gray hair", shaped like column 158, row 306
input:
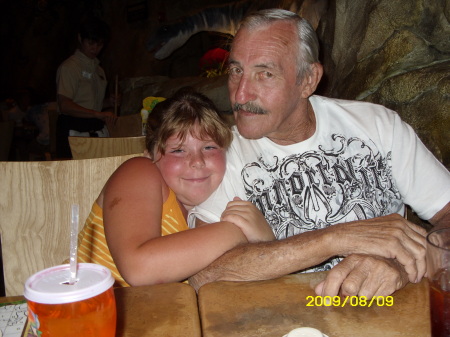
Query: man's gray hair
column 308, row 43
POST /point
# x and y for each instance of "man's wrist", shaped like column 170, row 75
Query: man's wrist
column 331, row 241
column 97, row 114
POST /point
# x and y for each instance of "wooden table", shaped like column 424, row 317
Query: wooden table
column 266, row 308
column 163, row 310
column 273, row 308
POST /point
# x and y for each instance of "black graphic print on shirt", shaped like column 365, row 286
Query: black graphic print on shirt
column 319, row 188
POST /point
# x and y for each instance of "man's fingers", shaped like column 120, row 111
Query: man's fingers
column 390, row 236
column 332, row 284
column 363, row 275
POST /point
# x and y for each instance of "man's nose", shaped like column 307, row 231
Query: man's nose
column 244, row 91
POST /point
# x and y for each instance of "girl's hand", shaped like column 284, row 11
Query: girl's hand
column 249, row 219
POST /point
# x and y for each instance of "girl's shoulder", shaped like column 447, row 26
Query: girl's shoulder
column 138, row 171
column 138, row 165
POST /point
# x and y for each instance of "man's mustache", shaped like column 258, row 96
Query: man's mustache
column 249, row 107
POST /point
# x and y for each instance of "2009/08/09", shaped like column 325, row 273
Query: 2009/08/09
column 354, row 301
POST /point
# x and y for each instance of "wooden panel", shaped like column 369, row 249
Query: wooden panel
column 162, row 310
column 35, row 206
column 100, row 147
column 127, row 126
column 275, row 307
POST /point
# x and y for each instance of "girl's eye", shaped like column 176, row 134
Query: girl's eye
column 211, row 147
column 176, row 151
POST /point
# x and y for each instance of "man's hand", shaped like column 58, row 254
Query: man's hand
column 196, row 281
column 108, row 117
column 390, row 236
column 249, row 219
column 363, row 275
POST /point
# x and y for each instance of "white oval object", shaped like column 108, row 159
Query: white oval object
column 305, row 332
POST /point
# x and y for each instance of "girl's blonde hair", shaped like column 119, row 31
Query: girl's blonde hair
column 179, row 114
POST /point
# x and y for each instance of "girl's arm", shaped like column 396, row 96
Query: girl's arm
column 249, row 219
column 132, row 206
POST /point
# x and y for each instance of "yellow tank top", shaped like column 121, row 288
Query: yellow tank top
column 92, row 245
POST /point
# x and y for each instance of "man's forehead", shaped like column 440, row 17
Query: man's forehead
column 262, row 47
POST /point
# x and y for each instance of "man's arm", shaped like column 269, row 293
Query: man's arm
column 266, row 260
column 69, row 107
column 391, row 237
column 363, row 275
column 369, row 276
column 442, row 218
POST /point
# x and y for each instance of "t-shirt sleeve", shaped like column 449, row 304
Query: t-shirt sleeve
column 422, row 180
column 66, row 81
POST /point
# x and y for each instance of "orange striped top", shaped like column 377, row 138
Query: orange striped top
column 92, row 245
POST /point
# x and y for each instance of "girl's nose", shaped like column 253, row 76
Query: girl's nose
column 197, row 160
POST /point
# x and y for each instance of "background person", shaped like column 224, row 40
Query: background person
column 81, row 85
column 145, row 200
column 332, row 177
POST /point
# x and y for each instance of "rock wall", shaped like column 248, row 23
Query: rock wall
column 392, row 52
column 395, row 53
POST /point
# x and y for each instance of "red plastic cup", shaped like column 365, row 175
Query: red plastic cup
column 85, row 308
column 438, row 270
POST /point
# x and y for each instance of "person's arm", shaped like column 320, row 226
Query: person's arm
column 132, row 211
column 249, row 219
column 442, row 218
column 69, row 107
column 369, row 276
column 364, row 275
column 389, row 237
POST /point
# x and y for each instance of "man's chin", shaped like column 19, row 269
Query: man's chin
column 249, row 132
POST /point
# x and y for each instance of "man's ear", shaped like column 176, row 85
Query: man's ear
column 79, row 39
column 311, row 80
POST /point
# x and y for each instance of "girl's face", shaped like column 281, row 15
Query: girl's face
column 193, row 169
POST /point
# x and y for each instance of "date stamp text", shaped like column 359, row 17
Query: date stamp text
column 354, row 301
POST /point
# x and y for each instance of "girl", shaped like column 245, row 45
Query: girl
column 146, row 199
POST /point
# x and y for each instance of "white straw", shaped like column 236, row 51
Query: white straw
column 73, row 244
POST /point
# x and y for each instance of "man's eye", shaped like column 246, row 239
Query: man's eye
column 235, row 71
column 265, row 74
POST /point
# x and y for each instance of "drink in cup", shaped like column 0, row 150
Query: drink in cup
column 85, row 308
column 438, row 270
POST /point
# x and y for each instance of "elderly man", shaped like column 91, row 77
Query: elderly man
column 332, row 177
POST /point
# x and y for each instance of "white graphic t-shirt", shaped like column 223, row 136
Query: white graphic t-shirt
column 362, row 162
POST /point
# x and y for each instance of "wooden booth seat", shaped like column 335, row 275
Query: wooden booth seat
column 35, row 211
column 100, row 147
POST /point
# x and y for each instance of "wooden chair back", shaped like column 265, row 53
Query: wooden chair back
column 100, row 147
column 35, row 211
column 127, row 126
column 6, row 137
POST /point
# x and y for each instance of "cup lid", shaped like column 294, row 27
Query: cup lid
column 305, row 332
column 51, row 285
